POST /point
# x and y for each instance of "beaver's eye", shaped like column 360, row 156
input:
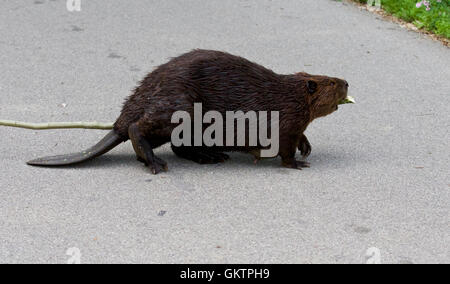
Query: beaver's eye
column 332, row 83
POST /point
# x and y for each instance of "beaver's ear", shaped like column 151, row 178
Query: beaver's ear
column 312, row 86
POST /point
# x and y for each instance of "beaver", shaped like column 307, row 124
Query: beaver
column 220, row 82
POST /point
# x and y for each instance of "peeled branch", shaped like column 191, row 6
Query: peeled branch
column 57, row 125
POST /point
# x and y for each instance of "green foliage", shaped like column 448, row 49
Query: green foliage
column 436, row 20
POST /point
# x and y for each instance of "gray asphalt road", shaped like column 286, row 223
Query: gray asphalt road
column 380, row 168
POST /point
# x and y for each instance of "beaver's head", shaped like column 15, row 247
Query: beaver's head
column 324, row 93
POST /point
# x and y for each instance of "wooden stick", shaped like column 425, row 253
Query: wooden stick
column 57, row 125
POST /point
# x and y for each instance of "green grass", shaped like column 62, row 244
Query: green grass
column 437, row 20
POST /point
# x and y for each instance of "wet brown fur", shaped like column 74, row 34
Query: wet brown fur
column 223, row 82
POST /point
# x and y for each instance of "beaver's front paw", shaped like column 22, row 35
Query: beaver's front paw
column 304, row 146
column 296, row 165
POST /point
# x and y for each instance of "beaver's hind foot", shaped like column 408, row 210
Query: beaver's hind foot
column 144, row 151
column 200, row 155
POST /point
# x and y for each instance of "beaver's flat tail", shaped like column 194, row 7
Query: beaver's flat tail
column 105, row 145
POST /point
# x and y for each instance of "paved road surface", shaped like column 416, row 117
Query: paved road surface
column 380, row 168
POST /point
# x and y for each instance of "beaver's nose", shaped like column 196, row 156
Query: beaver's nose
column 346, row 84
